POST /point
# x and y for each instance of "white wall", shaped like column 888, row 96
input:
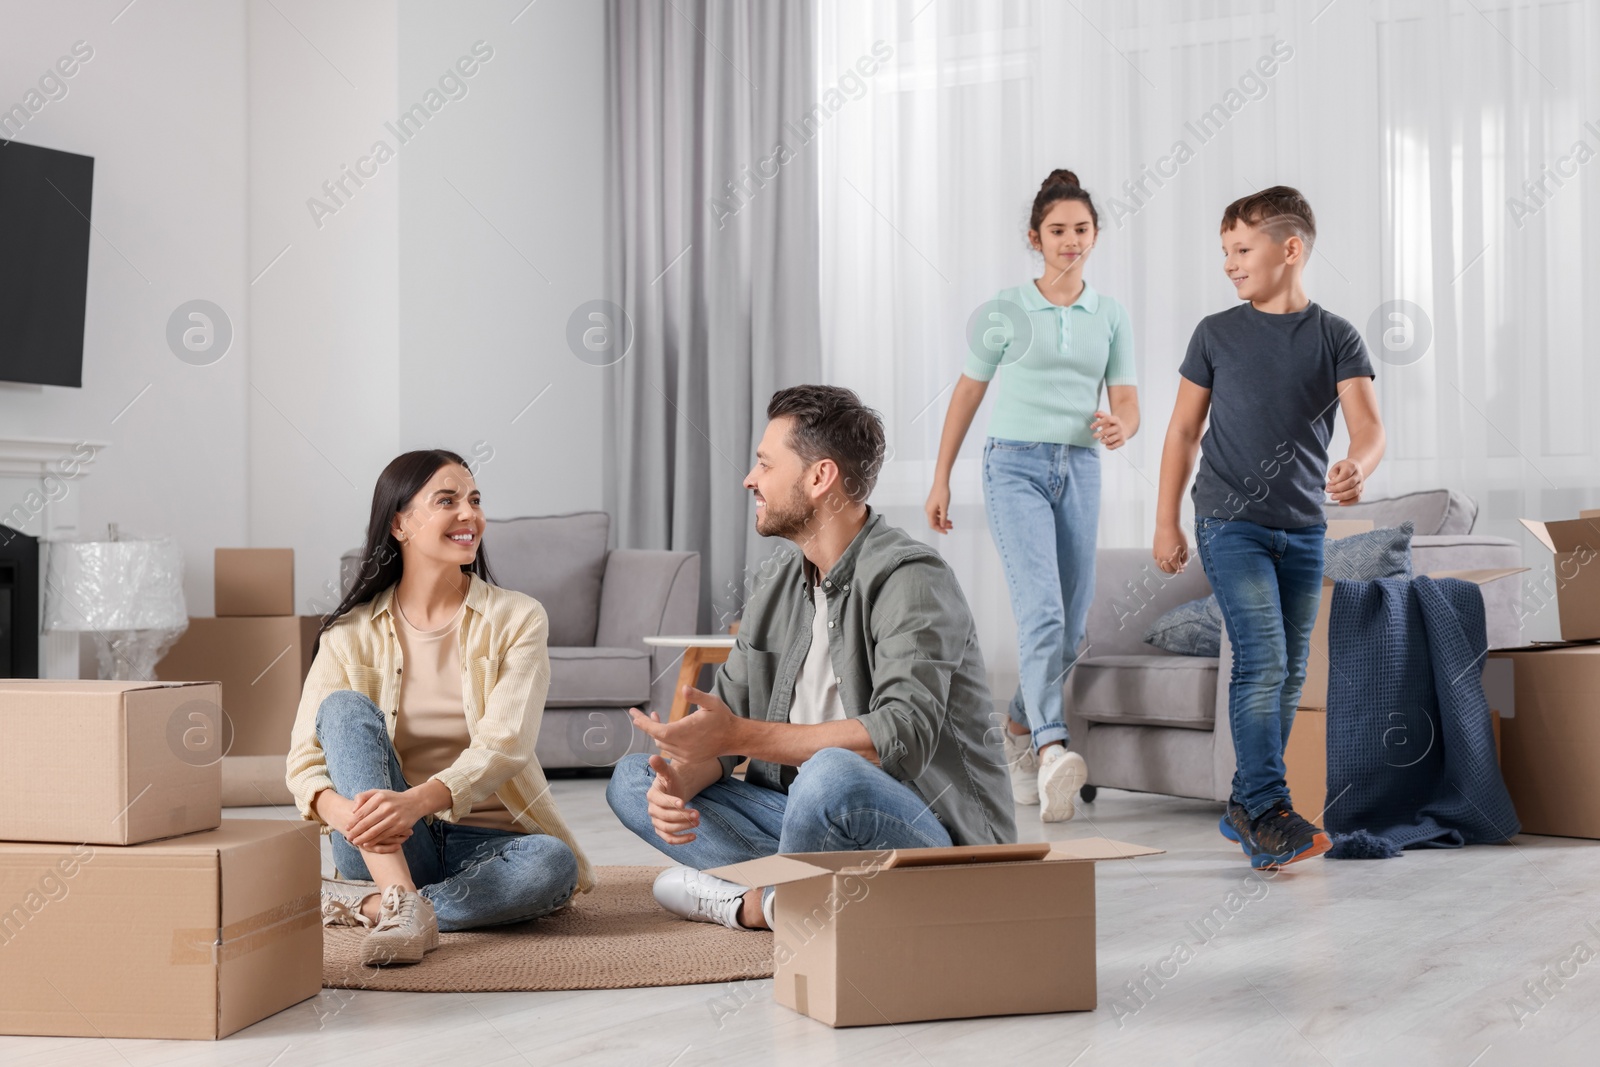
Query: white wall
column 404, row 320
column 160, row 106
column 324, row 389
column 500, row 240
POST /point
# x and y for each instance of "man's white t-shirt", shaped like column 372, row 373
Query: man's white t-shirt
column 816, row 687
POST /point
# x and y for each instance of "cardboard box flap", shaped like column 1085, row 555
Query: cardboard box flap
column 1482, row 576
column 1589, row 513
column 943, row 857
column 1098, row 848
column 782, row 869
column 1479, row 576
column 1568, row 535
column 770, row 870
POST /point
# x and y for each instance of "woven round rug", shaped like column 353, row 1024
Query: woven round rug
column 615, row 937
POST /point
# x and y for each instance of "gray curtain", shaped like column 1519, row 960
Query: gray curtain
column 712, row 254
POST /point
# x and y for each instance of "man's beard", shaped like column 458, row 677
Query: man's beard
column 789, row 519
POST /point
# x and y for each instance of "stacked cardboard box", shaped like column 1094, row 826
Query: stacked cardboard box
column 259, row 650
column 128, row 908
column 1548, row 695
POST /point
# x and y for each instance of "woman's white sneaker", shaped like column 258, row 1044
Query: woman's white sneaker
column 407, row 929
column 1023, row 763
column 1061, row 775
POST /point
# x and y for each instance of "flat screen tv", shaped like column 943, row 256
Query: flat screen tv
column 44, row 262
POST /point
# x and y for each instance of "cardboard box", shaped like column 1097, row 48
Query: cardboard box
column 1305, row 760
column 254, row 581
column 261, row 664
column 1575, row 544
column 1548, row 698
column 108, row 763
column 864, row 938
column 1314, row 693
column 195, row 937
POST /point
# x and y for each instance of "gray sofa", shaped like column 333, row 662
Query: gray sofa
column 1146, row 720
column 602, row 604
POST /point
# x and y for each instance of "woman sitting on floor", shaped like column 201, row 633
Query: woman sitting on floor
column 414, row 742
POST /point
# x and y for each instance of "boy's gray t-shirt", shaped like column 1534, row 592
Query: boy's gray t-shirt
column 1274, row 392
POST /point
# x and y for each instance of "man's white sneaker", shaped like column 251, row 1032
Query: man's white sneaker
column 1024, row 765
column 701, row 897
column 1061, row 775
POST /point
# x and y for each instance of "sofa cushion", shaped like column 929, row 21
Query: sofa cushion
column 1431, row 511
column 1145, row 690
column 1192, row 629
column 558, row 560
column 598, row 678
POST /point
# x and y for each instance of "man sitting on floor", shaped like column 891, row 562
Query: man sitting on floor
column 856, row 688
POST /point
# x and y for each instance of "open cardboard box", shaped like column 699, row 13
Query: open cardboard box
column 1548, row 700
column 1575, row 544
column 865, row 938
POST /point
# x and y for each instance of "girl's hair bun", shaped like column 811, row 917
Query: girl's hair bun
column 1061, row 176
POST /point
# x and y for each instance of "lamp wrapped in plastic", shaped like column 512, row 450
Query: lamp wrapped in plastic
column 127, row 592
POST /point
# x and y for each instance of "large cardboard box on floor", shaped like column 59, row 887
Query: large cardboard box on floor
column 194, row 937
column 106, row 762
column 1548, row 698
column 260, row 662
column 1575, row 545
column 254, row 581
column 865, row 938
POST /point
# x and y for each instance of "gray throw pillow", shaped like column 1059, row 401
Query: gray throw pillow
column 1195, row 628
column 1364, row 557
column 1192, row 629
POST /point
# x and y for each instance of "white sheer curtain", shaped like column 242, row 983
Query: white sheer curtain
column 1407, row 125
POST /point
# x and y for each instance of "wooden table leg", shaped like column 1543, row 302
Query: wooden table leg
column 688, row 674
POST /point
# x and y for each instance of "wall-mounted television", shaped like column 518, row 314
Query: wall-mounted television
column 44, row 262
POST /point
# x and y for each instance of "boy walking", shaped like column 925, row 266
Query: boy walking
column 1269, row 374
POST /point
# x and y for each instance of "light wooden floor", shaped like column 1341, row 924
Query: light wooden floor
column 1409, row 961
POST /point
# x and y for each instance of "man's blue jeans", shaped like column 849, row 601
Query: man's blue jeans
column 474, row 876
column 839, row 802
column 1043, row 502
column 1268, row 583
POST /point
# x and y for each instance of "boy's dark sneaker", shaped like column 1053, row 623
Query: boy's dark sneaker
column 1276, row 837
column 1235, row 825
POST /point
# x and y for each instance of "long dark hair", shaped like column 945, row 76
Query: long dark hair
column 401, row 480
column 1060, row 185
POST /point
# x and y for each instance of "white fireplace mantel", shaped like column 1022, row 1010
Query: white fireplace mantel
column 40, row 483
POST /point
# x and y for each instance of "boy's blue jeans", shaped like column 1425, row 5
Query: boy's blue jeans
column 839, row 802
column 474, row 876
column 1043, row 502
column 1268, row 583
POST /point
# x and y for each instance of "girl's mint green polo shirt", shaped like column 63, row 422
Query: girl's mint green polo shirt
column 1052, row 361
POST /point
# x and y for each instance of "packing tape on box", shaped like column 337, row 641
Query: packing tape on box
column 207, row 944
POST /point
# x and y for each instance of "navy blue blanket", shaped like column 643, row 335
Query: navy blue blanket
column 1411, row 757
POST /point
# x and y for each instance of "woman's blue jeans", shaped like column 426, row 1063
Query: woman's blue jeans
column 474, row 876
column 1268, row 584
column 1043, row 502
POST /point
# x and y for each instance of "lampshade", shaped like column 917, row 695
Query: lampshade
column 134, row 584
